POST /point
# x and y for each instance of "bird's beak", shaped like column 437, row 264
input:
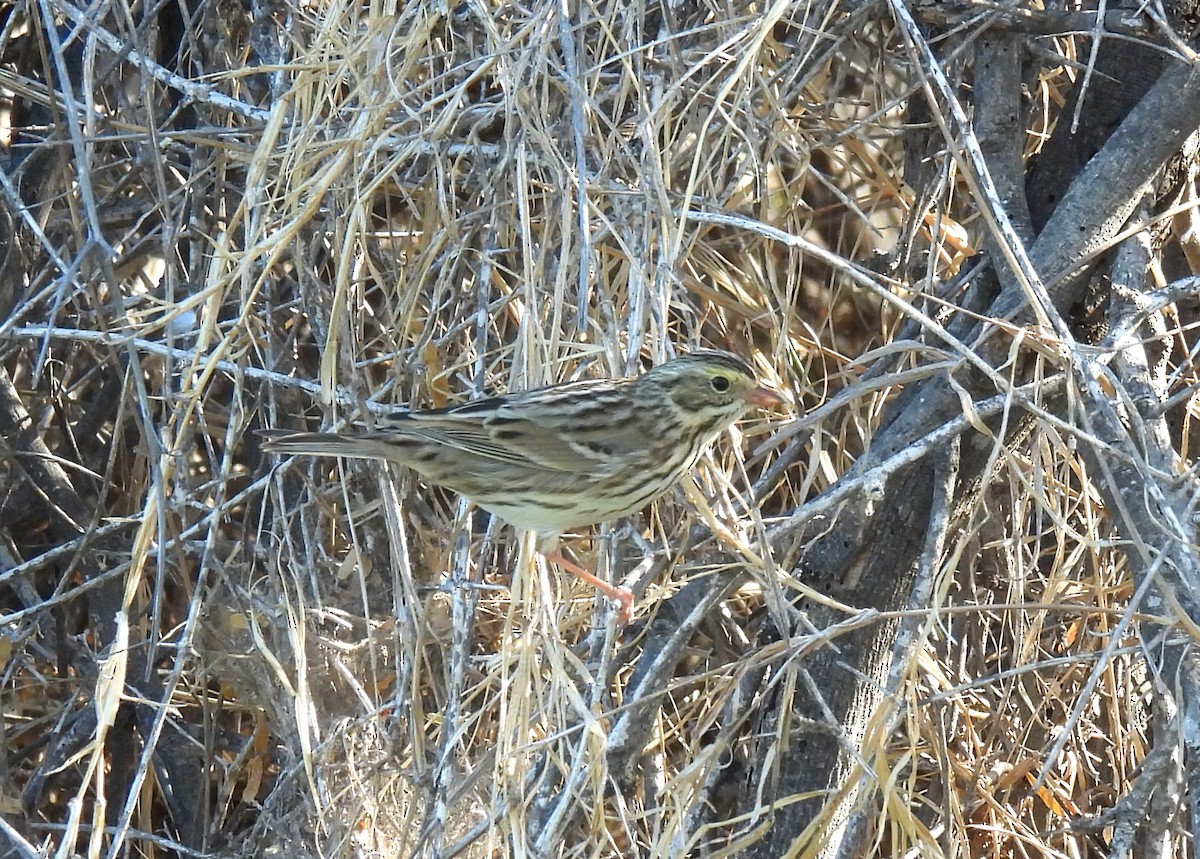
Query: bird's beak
column 764, row 398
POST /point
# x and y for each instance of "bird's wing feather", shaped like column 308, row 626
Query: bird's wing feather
column 469, row 436
column 518, row 432
column 516, row 442
column 595, row 447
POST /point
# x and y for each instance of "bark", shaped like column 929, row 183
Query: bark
column 868, row 556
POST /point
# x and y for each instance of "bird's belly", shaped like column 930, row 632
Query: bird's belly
column 550, row 513
column 562, row 501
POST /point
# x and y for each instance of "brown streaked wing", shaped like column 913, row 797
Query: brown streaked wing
column 466, row 434
column 593, row 437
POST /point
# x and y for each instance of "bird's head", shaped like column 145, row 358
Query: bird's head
column 710, row 389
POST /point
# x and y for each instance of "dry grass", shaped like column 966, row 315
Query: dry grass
column 337, row 660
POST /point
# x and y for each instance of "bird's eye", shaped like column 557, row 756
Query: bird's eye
column 720, row 384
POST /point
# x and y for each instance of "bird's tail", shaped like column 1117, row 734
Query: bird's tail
column 289, row 443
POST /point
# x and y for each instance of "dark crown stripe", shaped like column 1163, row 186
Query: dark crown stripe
column 725, row 359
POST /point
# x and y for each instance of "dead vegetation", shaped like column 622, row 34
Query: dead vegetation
column 222, row 218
